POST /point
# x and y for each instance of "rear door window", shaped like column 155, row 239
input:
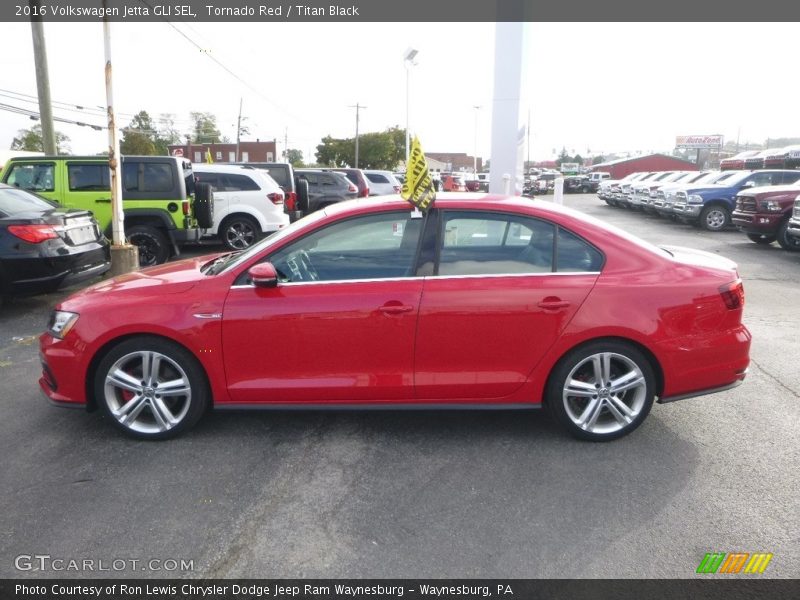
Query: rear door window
column 88, row 177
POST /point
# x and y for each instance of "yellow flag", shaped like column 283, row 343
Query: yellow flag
column 209, row 160
column 418, row 186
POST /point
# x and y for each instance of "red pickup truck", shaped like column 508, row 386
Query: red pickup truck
column 763, row 214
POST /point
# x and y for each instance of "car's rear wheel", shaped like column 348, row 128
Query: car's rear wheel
column 152, row 244
column 151, row 388
column 601, row 391
column 761, row 239
column 788, row 242
column 715, row 218
column 239, row 232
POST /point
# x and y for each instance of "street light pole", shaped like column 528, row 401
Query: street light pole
column 408, row 59
column 475, row 156
column 358, row 107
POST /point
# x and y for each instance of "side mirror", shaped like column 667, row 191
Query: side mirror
column 749, row 184
column 263, row 275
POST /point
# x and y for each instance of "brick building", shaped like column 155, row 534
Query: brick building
column 257, row 151
column 458, row 161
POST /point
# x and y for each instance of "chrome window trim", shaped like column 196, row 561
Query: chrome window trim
column 431, row 277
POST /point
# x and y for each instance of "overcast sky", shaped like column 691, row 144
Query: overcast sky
column 589, row 86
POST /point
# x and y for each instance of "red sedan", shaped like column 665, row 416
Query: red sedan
column 482, row 303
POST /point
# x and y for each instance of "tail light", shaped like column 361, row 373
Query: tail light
column 365, row 193
column 34, row 234
column 291, row 200
column 276, row 198
column 733, row 294
column 187, row 209
column 396, row 189
column 352, row 188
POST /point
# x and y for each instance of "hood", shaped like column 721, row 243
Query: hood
column 771, row 189
column 170, row 278
column 711, row 187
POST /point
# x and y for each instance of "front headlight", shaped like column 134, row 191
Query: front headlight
column 60, row 323
column 694, row 199
column 771, row 206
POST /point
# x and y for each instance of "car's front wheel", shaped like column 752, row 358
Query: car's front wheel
column 715, row 218
column 788, row 242
column 601, row 391
column 151, row 388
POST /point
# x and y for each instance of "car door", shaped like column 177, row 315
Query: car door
column 88, row 186
column 339, row 327
column 496, row 300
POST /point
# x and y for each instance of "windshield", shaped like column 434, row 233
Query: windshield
column 231, row 261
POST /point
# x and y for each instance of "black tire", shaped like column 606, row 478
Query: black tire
column 788, row 242
column 153, row 245
column 715, row 217
column 763, row 240
column 597, row 412
column 204, row 204
column 153, row 416
column 238, row 232
column 302, row 195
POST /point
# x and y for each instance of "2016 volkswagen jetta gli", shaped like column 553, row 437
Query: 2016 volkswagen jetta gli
column 489, row 302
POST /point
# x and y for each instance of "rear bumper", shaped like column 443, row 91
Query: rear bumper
column 705, row 363
column 40, row 275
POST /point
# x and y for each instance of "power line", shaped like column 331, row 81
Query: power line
column 228, row 70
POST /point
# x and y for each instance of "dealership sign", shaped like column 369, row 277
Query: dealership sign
column 699, row 142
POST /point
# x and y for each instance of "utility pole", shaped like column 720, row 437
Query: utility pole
column 238, row 130
column 42, row 81
column 124, row 256
column 358, row 107
column 477, row 107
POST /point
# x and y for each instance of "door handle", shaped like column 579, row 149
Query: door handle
column 395, row 308
column 106, row 200
column 553, row 303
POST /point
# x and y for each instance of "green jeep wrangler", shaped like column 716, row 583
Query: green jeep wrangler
column 164, row 207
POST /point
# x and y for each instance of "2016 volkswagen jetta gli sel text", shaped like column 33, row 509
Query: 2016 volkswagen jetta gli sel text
column 484, row 302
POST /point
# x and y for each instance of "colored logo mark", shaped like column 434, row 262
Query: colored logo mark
column 734, row 562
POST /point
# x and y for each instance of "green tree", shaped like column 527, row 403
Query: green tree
column 205, row 128
column 598, row 160
column 295, row 157
column 563, row 157
column 376, row 150
column 31, row 140
column 138, row 137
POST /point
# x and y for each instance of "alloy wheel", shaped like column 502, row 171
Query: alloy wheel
column 604, row 393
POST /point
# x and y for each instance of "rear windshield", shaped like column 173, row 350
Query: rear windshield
column 279, row 174
column 19, row 201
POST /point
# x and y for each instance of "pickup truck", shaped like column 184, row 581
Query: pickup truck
column 711, row 205
column 763, row 214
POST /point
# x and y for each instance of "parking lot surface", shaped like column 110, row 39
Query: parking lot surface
column 419, row 494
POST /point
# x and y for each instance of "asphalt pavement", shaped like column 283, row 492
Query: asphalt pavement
column 416, row 494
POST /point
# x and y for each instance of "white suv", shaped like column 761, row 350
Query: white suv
column 382, row 183
column 248, row 204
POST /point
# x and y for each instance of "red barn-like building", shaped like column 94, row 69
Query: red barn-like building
column 637, row 164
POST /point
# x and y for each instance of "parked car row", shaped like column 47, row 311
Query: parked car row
column 762, row 203
column 772, row 158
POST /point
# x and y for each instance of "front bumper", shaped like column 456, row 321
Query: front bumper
column 763, row 224
column 687, row 211
column 793, row 228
